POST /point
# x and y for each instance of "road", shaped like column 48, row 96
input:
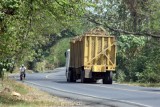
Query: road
column 114, row 95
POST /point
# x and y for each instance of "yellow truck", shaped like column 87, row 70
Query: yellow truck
column 91, row 56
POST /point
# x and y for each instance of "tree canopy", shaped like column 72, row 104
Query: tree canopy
column 127, row 16
column 24, row 24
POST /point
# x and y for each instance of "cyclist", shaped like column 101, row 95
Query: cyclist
column 22, row 70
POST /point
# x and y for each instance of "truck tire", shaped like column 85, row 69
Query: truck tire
column 67, row 76
column 73, row 76
column 93, row 81
column 107, row 78
column 70, row 76
column 83, row 79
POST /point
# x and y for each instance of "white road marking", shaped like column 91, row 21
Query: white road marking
column 48, row 75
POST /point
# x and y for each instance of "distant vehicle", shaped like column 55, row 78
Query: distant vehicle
column 91, row 57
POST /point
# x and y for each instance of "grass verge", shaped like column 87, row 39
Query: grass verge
column 28, row 97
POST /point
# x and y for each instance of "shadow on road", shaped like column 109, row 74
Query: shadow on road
column 65, row 82
column 151, row 90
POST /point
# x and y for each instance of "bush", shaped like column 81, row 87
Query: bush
column 57, row 57
column 120, row 76
column 129, row 48
column 139, row 64
column 40, row 66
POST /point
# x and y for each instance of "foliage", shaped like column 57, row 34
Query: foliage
column 127, row 16
column 129, row 47
column 40, row 66
column 152, row 65
column 26, row 25
column 57, row 57
column 141, row 65
column 6, row 65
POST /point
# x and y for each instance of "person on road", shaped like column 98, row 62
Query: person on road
column 23, row 70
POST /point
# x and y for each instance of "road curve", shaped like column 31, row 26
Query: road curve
column 114, row 95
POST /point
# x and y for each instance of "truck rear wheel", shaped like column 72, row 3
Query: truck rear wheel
column 93, row 81
column 107, row 78
column 70, row 76
column 73, row 76
column 83, row 79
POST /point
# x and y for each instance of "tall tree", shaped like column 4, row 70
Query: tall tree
column 127, row 16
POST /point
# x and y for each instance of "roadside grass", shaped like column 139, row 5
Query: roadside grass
column 29, row 97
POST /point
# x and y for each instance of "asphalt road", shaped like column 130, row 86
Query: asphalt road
column 114, row 95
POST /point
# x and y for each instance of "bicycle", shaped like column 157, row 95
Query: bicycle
column 22, row 76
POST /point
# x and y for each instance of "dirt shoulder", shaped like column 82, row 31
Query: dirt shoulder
column 16, row 94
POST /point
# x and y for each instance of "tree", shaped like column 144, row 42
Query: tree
column 129, row 58
column 26, row 24
column 127, row 16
